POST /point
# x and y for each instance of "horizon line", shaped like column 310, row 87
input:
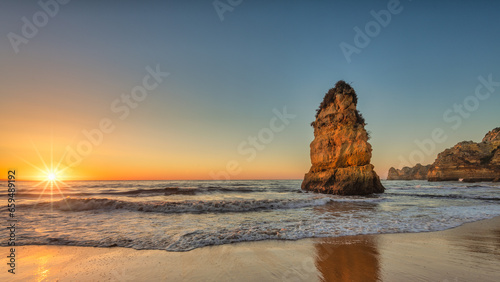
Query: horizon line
column 246, row 179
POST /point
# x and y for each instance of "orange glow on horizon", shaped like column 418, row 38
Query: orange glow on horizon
column 115, row 159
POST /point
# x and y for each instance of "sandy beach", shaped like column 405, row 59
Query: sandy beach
column 470, row 252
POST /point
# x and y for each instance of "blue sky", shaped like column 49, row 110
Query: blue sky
column 226, row 77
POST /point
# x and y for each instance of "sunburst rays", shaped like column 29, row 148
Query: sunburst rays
column 51, row 175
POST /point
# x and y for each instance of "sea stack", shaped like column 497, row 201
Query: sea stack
column 340, row 152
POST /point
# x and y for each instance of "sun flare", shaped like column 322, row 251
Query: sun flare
column 51, row 177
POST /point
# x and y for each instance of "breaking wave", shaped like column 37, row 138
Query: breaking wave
column 77, row 204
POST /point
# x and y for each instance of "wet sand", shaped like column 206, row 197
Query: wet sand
column 470, row 252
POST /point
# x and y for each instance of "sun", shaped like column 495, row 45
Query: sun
column 51, row 176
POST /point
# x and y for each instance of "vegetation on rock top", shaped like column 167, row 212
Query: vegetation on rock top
column 341, row 87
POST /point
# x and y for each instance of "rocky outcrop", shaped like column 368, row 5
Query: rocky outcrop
column 469, row 161
column 418, row 172
column 340, row 152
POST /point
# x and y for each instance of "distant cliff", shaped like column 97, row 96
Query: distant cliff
column 469, row 161
column 340, row 152
column 418, row 172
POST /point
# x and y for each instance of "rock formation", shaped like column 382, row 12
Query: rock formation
column 469, row 161
column 340, row 152
column 418, row 172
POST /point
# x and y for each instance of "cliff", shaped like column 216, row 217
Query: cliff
column 469, row 161
column 418, row 172
column 340, row 152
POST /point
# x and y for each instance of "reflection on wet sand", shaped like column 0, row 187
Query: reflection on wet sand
column 467, row 253
column 348, row 259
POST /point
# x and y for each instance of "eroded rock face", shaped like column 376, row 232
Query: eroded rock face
column 418, row 172
column 469, row 161
column 340, row 152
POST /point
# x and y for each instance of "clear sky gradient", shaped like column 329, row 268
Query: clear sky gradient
column 226, row 77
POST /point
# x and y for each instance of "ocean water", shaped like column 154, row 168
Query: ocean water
column 184, row 215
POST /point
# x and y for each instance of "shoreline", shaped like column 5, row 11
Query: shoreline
column 467, row 252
